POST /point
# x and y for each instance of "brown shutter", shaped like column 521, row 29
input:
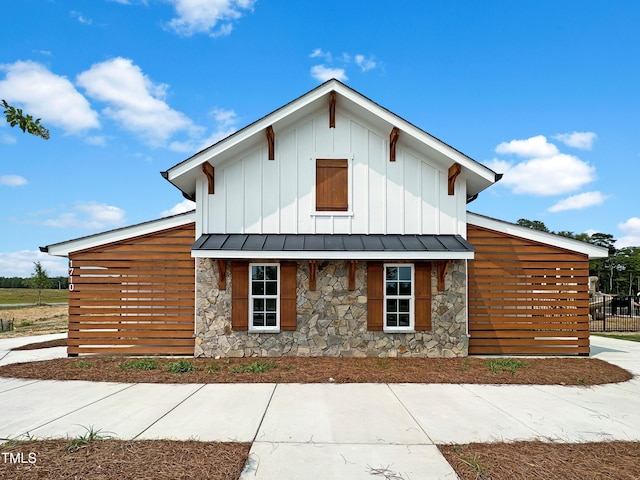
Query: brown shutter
column 240, row 296
column 423, row 296
column 375, row 297
column 288, row 319
column 332, row 185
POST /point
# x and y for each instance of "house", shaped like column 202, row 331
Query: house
column 329, row 227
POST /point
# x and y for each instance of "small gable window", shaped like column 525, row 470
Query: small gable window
column 332, row 185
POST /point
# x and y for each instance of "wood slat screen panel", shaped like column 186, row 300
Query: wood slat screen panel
column 526, row 298
column 134, row 297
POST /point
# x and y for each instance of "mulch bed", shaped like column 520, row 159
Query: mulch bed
column 117, row 459
column 544, row 461
column 60, row 342
column 537, row 371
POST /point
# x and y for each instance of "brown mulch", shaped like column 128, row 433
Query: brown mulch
column 537, row 371
column 60, row 342
column 544, row 461
column 117, row 459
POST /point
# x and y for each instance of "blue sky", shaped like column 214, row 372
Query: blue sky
column 546, row 92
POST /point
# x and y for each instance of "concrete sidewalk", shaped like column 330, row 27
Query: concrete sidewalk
column 333, row 431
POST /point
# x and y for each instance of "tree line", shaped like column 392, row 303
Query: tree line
column 618, row 274
column 19, row 282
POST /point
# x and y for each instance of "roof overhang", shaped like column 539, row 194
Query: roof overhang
column 63, row 249
column 332, row 247
column 185, row 175
column 593, row 251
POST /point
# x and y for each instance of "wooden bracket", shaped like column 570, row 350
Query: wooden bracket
column 352, row 275
column 271, row 140
column 442, row 270
column 222, row 274
column 332, row 109
column 454, row 171
column 312, row 275
column 393, row 140
column 210, row 172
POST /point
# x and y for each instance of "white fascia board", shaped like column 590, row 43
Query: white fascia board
column 420, row 135
column 593, row 251
column 250, row 130
column 329, row 255
column 63, row 249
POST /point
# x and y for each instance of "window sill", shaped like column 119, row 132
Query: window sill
column 264, row 330
column 348, row 213
column 399, row 330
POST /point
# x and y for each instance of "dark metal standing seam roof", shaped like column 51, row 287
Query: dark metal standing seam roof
column 335, row 243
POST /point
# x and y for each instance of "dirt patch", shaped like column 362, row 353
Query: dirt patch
column 544, row 461
column 114, row 459
column 36, row 320
column 533, row 371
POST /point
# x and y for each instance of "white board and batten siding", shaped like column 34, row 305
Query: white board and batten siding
column 256, row 195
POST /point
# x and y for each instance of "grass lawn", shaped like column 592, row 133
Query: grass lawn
column 28, row 295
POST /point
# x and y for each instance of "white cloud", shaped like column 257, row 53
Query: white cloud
column 580, row 201
column 556, row 175
column 364, row 63
column 631, row 229
column 97, row 140
column 20, row 264
column 336, row 67
column 225, row 123
column 89, row 216
column 544, row 171
column 12, row 180
column 7, row 139
column 581, row 140
column 81, row 18
column 182, row 207
column 134, row 100
column 46, row 95
column 529, row 148
column 323, row 73
column 319, row 53
column 213, row 17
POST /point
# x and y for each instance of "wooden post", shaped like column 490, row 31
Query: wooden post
column 393, row 140
column 312, row 275
column 210, row 172
column 271, row 139
column 454, row 171
column 332, row 109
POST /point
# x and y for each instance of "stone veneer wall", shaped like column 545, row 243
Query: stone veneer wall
column 332, row 321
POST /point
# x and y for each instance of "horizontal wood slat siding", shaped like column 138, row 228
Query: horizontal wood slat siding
column 134, row 297
column 525, row 297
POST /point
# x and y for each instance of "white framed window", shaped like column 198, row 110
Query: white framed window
column 264, row 297
column 399, row 283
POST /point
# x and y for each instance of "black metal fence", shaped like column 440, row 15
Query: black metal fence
column 614, row 314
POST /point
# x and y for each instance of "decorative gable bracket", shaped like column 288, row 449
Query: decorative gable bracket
column 393, row 140
column 454, row 171
column 271, row 141
column 442, row 270
column 210, row 173
column 332, row 109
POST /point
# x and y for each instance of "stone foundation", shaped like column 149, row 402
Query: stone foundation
column 332, row 321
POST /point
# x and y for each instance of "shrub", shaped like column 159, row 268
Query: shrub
column 259, row 366
column 181, row 366
column 139, row 364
